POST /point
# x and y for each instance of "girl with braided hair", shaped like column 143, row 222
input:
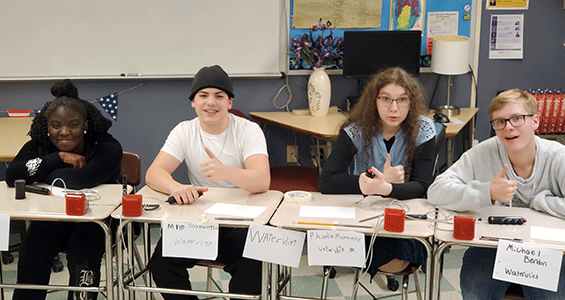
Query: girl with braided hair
column 69, row 140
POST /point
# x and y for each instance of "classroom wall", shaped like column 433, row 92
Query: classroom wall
column 147, row 114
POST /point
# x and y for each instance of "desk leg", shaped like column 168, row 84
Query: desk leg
column 109, row 261
column 437, row 272
column 450, row 150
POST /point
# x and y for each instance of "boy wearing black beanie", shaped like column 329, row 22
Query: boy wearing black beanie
column 220, row 150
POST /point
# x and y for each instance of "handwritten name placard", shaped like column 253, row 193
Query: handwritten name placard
column 4, row 232
column 190, row 239
column 527, row 265
column 274, row 245
column 336, row 248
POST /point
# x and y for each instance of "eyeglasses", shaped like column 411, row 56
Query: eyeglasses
column 401, row 102
column 516, row 121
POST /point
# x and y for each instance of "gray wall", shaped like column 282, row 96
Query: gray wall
column 147, row 114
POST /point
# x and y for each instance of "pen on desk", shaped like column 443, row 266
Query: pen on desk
column 332, row 224
column 129, row 74
column 370, row 218
column 37, row 190
column 495, row 239
column 232, row 219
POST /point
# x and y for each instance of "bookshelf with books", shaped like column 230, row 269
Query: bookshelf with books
column 551, row 105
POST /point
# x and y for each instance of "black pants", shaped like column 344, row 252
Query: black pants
column 84, row 243
column 171, row 272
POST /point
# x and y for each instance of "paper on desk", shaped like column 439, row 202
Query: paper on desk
column 58, row 191
column 236, row 210
column 327, row 212
column 4, row 232
column 545, row 233
column 454, row 121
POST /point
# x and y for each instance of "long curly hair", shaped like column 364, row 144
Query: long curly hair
column 66, row 94
column 365, row 114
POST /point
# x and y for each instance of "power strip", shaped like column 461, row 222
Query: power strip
column 306, row 112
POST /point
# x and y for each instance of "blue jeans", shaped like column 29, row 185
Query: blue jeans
column 477, row 283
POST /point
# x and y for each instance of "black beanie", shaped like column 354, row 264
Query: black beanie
column 213, row 76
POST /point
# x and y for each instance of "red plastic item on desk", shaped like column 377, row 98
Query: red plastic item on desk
column 76, row 204
column 132, row 205
column 464, row 228
column 394, row 219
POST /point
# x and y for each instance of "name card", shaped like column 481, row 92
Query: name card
column 274, row 245
column 4, row 232
column 336, row 248
column 190, row 239
column 527, row 265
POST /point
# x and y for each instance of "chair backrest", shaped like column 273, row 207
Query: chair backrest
column 131, row 169
column 237, row 113
column 440, row 138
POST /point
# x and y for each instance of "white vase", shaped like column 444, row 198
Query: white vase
column 319, row 92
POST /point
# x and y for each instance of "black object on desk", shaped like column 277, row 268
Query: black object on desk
column 441, row 118
column 172, row 200
column 20, row 189
column 37, row 190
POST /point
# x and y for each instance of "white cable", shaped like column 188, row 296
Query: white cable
column 287, row 55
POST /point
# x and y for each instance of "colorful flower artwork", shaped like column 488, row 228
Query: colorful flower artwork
column 407, row 14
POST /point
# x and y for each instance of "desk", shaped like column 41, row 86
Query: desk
column 323, row 128
column 13, row 134
column 193, row 212
column 466, row 116
column 535, row 218
column 52, row 208
column 288, row 212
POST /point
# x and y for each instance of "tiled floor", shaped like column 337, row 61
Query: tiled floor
column 306, row 280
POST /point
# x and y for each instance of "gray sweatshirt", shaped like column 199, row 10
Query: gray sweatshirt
column 466, row 184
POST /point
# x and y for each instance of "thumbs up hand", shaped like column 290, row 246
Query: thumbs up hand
column 212, row 169
column 502, row 189
column 392, row 174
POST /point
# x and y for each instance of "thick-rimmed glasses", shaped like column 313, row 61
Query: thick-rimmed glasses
column 401, row 102
column 516, row 121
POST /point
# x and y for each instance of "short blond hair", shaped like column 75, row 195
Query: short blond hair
column 513, row 95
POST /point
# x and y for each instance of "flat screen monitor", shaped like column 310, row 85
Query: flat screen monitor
column 367, row 52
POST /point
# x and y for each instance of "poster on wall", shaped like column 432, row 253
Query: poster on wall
column 342, row 14
column 506, row 36
column 407, row 15
column 441, row 23
column 507, row 4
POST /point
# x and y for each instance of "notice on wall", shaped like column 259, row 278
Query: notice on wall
column 441, row 23
column 4, row 232
column 527, row 265
column 336, row 248
column 190, row 239
column 266, row 243
column 506, row 36
column 507, row 4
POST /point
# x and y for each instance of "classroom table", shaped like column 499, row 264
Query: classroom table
column 444, row 233
column 52, row 208
column 466, row 116
column 327, row 127
column 195, row 213
column 13, row 134
column 288, row 214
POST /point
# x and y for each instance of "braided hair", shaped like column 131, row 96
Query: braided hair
column 66, row 94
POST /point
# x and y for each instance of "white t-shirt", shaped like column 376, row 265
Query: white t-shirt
column 240, row 140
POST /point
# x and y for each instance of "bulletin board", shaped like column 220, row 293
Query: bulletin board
column 464, row 8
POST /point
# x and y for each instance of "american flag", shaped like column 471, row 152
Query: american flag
column 110, row 105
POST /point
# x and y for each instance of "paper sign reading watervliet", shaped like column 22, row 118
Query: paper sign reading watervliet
column 274, row 245
column 4, row 232
column 336, row 248
column 190, row 239
column 527, row 265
